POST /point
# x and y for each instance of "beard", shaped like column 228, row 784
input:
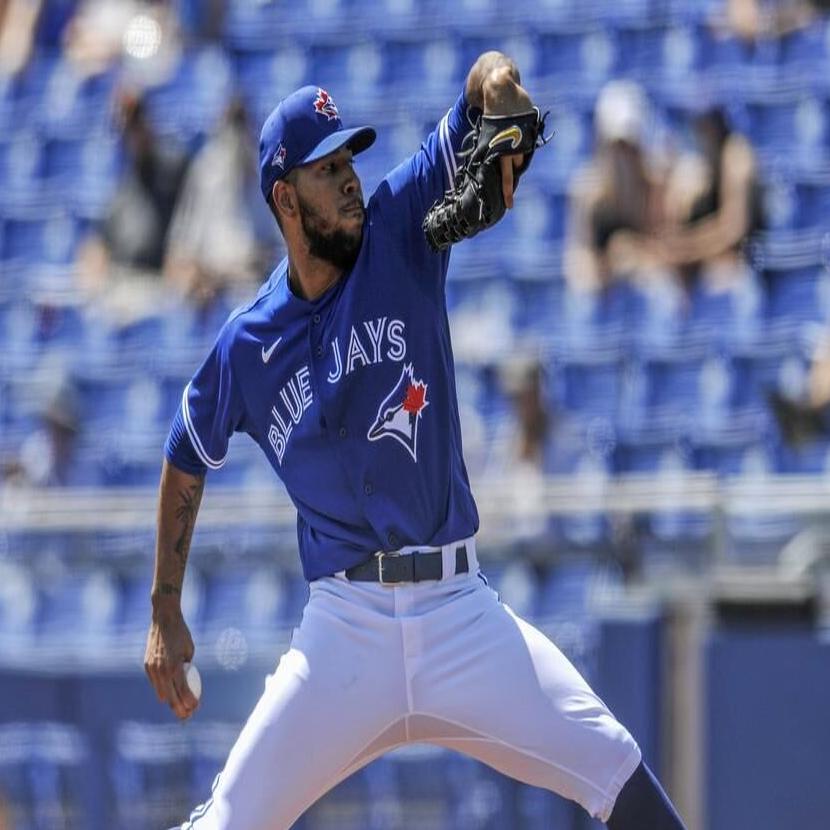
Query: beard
column 334, row 246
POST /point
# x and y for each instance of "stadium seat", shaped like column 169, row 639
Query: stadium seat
column 151, row 775
column 191, row 103
column 267, row 76
column 582, row 61
column 41, row 238
column 591, row 382
column 19, row 604
column 791, row 128
column 42, row 769
column 252, row 600
column 22, row 160
column 77, row 615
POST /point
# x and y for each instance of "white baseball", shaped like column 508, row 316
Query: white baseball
column 194, row 680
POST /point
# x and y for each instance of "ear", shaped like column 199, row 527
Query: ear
column 283, row 197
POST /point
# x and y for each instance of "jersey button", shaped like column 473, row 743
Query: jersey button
column 342, row 432
column 368, row 489
column 319, row 350
column 392, row 539
column 315, row 319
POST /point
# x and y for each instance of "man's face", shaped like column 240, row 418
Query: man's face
column 330, row 201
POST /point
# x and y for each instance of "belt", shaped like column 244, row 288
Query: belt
column 394, row 568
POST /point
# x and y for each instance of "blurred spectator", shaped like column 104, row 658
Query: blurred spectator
column 222, row 234
column 525, row 383
column 753, row 19
column 133, row 235
column 519, row 451
column 714, row 203
column 617, row 199
column 18, row 22
column 806, row 420
column 144, row 32
column 46, row 456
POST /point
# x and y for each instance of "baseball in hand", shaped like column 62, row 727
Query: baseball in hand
column 194, row 681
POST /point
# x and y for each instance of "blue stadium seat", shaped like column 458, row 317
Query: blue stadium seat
column 789, row 128
column 267, row 76
column 572, row 122
column 72, row 103
column 22, row 94
column 767, row 367
column 566, row 589
column 134, row 600
column 193, row 100
column 251, row 599
column 673, row 385
column 587, row 58
column 755, row 537
column 19, row 604
column 42, row 769
column 812, row 198
column 812, row 458
column 256, row 25
column 151, row 775
column 581, row 448
column 43, row 238
column 84, row 169
column 385, row 18
column 807, row 50
column 590, row 381
column 438, row 68
column 798, row 296
column 612, row 318
column 22, row 160
column 118, row 401
column 734, row 449
column 515, row 582
column 536, row 305
column 59, row 326
column 77, row 614
column 251, row 25
column 727, row 317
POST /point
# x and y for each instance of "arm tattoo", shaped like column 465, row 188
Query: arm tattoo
column 189, row 500
column 167, row 589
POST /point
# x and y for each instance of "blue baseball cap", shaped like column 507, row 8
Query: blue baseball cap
column 304, row 127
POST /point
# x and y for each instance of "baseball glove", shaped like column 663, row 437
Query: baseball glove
column 475, row 201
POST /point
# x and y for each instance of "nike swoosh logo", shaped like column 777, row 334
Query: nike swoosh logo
column 513, row 134
column 266, row 353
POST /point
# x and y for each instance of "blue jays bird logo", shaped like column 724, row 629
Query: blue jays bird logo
column 399, row 414
column 278, row 159
column 324, row 105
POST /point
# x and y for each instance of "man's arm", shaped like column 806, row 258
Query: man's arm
column 169, row 643
column 494, row 86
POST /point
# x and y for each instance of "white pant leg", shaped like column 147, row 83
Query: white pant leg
column 336, row 700
column 490, row 685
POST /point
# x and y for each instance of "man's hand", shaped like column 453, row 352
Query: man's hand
column 169, row 645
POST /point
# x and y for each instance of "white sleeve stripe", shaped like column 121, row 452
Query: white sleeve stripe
column 448, row 164
column 450, row 151
column 194, row 438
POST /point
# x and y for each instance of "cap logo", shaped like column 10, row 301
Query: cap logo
column 324, row 105
column 278, row 159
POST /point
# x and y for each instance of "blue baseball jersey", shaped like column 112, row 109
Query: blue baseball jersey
column 352, row 395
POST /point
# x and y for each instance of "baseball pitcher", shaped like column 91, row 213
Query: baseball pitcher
column 342, row 371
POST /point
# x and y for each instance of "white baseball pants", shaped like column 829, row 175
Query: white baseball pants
column 372, row 667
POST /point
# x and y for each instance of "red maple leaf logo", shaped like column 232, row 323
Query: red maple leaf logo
column 324, row 105
column 415, row 399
